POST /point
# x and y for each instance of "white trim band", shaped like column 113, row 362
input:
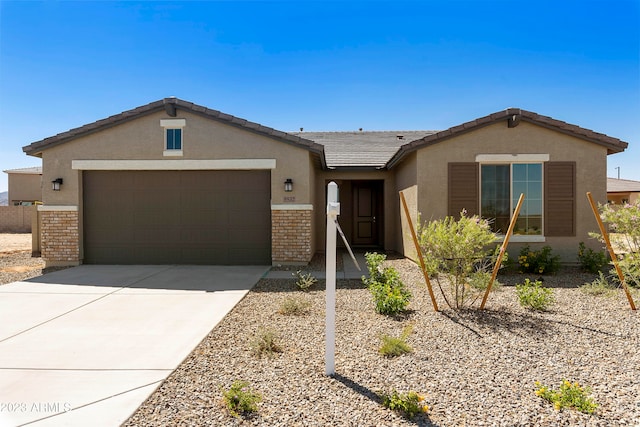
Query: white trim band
column 173, row 123
column 53, row 208
column 511, row 158
column 523, row 238
column 178, row 164
column 291, row 207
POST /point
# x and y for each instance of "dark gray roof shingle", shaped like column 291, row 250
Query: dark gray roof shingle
column 622, row 186
column 361, row 148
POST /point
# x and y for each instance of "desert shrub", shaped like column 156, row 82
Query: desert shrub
column 624, row 221
column 459, row 255
column 296, row 306
column 598, row 287
column 396, row 346
column 265, row 343
column 538, row 262
column 389, row 292
column 408, row 404
column 240, row 400
column 590, row 260
column 534, row 296
column 569, row 395
column 304, row 281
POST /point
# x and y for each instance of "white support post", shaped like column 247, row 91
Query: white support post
column 333, row 210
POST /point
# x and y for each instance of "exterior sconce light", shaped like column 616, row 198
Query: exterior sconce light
column 288, row 185
column 56, row 183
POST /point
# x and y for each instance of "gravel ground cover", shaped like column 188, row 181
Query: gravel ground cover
column 16, row 262
column 475, row 368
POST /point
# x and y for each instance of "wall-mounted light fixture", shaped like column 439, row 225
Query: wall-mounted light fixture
column 288, row 185
column 56, row 183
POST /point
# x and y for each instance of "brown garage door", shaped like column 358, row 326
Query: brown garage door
column 177, row 217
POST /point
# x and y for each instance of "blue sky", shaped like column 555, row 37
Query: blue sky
column 321, row 65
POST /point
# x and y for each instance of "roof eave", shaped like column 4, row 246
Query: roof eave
column 513, row 116
column 170, row 105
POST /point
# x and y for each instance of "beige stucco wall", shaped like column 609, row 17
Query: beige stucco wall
column 406, row 181
column 343, row 178
column 24, row 187
column 619, row 198
column 203, row 139
column 143, row 139
column 526, row 138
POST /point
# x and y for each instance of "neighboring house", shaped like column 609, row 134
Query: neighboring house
column 25, row 186
column 4, row 198
column 174, row 182
column 621, row 191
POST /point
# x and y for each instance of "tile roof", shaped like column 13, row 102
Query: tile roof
column 36, row 170
column 512, row 116
column 622, row 186
column 357, row 149
column 170, row 105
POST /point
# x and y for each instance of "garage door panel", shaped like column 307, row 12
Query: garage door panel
column 208, row 237
column 177, row 217
column 205, row 255
column 149, row 236
column 203, row 199
column 244, row 181
column 112, row 235
column 247, row 256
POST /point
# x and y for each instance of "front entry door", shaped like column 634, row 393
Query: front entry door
column 367, row 213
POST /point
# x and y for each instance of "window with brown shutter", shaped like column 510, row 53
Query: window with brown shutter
column 463, row 188
column 560, row 198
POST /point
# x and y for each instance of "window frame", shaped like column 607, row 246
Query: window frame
column 510, row 160
column 173, row 124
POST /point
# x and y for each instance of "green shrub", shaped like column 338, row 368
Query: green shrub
column 389, row 292
column 408, row 404
column 304, row 281
column 264, row 342
column 538, row 262
column 459, row 255
column 590, row 260
column 240, row 399
column 624, row 222
column 396, row 346
column 630, row 266
column 599, row 286
column 296, row 306
column 534, row 296
column 568, row 396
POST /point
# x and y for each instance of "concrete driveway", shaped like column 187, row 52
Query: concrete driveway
column 87, row 345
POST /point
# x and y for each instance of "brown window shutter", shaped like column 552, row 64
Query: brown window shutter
column 560, row 199
column 463, row 188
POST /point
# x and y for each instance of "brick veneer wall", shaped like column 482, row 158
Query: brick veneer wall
column 60, row 237
column 291, row 236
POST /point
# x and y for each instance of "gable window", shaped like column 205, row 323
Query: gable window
column 173, row 136
column 174, row 139
column 500, row 189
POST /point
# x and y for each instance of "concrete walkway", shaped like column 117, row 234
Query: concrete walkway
column 349, row 271
column 86, row 346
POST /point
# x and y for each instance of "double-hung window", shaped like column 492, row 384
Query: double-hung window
column 173, row 136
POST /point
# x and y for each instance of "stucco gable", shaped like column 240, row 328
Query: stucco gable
column 512, row 117
column 170, row 105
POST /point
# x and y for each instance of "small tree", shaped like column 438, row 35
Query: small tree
column 624, row 223
column 458, row 255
